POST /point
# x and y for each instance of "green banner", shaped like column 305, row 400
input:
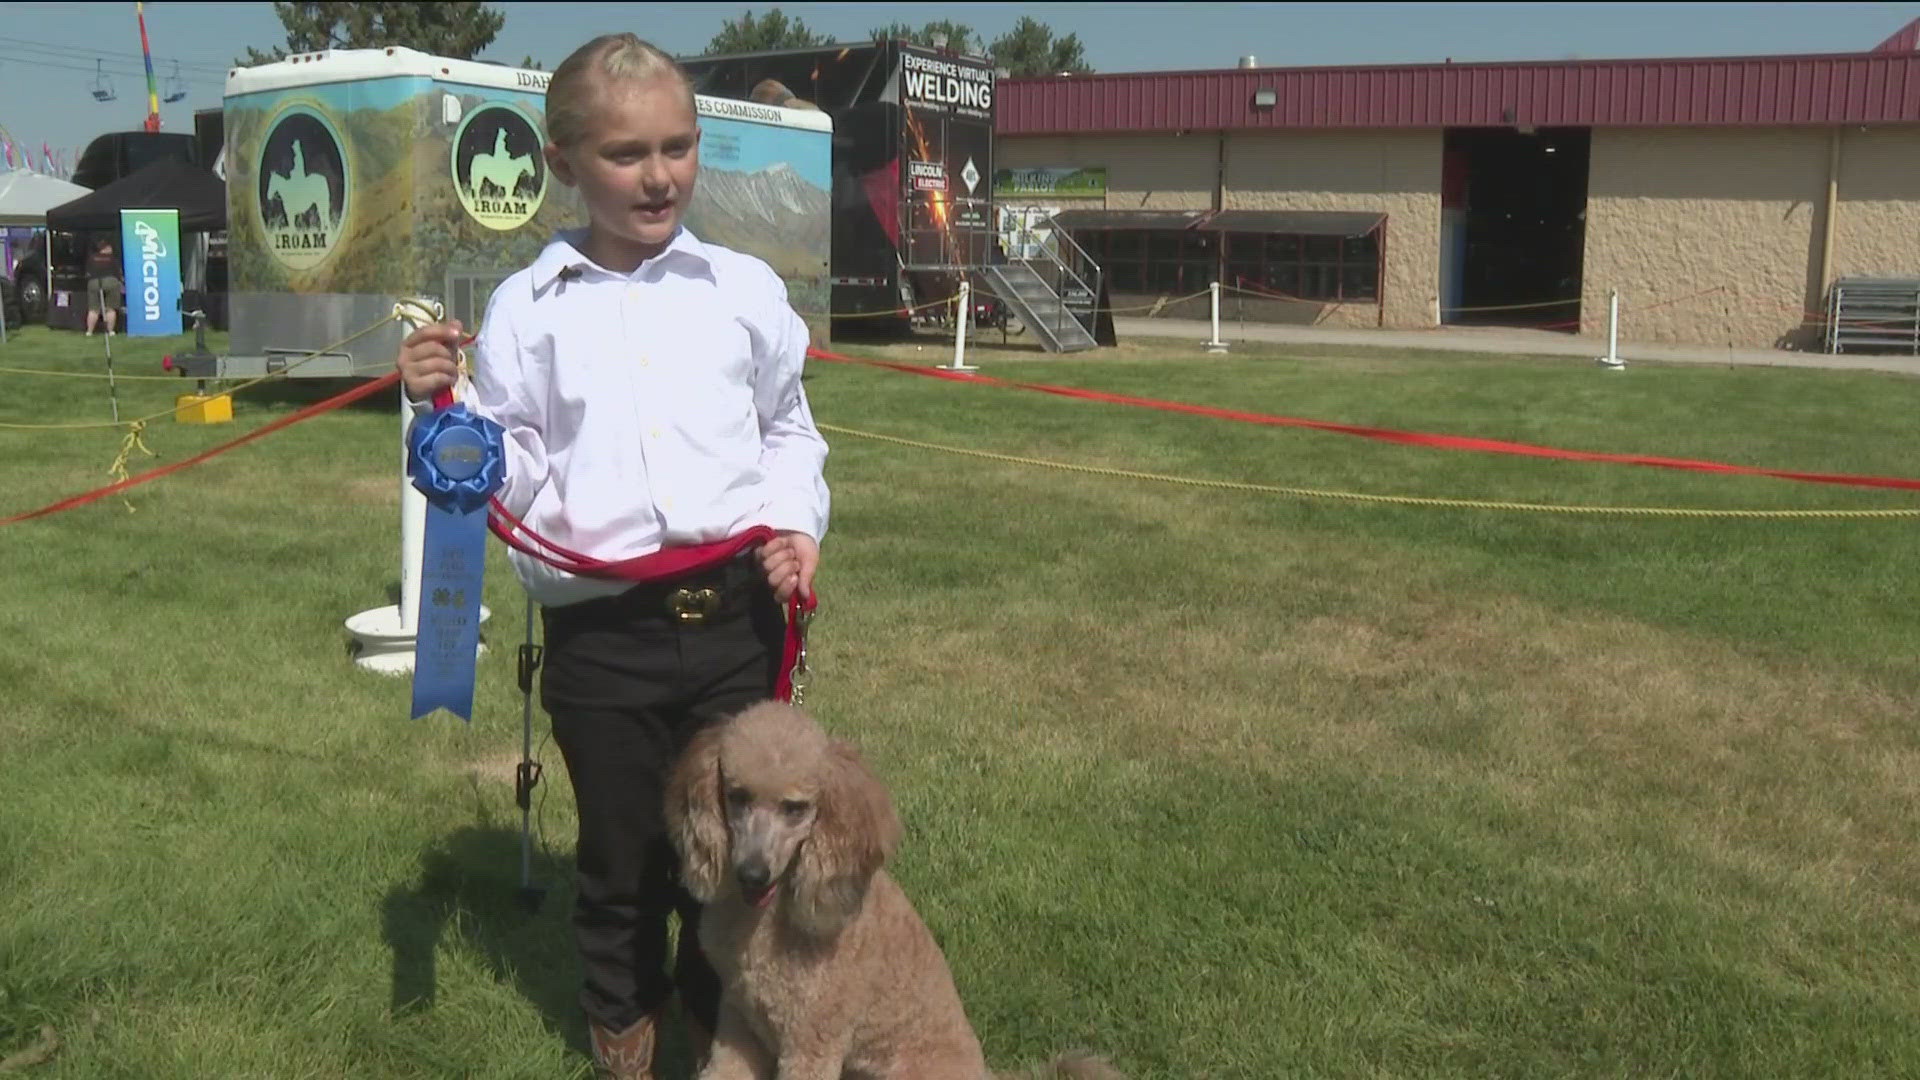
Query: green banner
column 1051, row 181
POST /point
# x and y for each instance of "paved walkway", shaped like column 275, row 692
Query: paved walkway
column 1484, row 339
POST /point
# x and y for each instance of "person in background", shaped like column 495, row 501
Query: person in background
column 103, row 285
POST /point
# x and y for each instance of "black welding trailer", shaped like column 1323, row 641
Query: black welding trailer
column 913, row 165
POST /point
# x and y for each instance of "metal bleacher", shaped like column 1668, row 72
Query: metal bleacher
column 1874, row 315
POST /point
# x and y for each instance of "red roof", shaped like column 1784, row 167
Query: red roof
column 1905, row 39
column 1849, row 88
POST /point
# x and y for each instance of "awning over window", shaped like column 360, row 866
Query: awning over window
column 1293, row 222
column 1129, row 219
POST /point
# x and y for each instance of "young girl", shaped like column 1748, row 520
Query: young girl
column 649, row 387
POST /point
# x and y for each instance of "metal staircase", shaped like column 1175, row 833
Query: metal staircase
column 1054, row 287
column 1026, row 290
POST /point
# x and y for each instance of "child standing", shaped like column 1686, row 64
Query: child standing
column 649, row 387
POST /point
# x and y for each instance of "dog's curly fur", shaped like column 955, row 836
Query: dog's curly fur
column 828, row 971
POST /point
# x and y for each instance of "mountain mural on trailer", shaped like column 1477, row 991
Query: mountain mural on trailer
column 774, row 212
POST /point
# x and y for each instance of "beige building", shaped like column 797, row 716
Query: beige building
column 1721, row 199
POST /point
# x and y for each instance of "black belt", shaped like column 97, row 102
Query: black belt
column 696, row 598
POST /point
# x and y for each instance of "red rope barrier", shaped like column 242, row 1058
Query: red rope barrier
column 334, row 402
column 1405, row 438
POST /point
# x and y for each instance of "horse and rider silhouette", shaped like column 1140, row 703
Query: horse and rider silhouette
column 499, row 168
column 303, row 195
column 306, row 199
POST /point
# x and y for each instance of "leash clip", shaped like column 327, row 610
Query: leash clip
column 801, row 674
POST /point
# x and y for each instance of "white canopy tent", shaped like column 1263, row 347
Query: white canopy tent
column 25, row 197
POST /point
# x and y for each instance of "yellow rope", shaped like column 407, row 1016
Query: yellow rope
column 89, row 374
column 1162, row 302
column 132, row 442
column 891, row 314
column 1354, row 496
column 281, row 374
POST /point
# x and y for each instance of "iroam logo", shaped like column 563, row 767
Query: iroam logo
column 151, row 252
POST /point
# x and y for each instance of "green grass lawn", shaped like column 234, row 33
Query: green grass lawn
column 1223, row 784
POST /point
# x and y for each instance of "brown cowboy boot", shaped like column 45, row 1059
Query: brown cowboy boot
column 624, row 1055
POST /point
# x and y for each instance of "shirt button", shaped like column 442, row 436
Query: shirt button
column 644, row 361
column 667, row 503
column 655, row 433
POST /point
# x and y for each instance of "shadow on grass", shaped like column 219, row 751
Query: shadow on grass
column 469, row 886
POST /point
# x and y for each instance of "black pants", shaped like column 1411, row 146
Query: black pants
column 627, row 684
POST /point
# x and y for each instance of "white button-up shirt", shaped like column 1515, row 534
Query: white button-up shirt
column 649, row 409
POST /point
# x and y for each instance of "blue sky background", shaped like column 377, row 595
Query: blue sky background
column 50, row 52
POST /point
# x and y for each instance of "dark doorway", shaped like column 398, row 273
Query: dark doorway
column 1519, row 225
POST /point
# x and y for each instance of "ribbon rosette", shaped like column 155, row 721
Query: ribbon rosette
column 457, row 459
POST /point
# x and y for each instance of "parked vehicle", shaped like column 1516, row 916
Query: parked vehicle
column 912, row 164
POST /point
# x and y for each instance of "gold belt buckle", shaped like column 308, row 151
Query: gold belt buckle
column 692, row 606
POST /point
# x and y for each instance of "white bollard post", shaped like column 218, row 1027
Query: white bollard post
column 385, row 635
column 1612, row 360
column 960, row 322
column 1214, row 344
column 413, row 528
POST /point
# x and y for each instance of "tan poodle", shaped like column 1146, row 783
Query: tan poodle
column 827, row 969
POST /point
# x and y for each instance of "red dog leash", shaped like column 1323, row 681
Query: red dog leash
column 665, row 564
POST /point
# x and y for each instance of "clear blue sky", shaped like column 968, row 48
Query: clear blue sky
column 49, row 51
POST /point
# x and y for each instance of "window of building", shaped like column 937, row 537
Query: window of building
column 1329, row 269
column 1153, row 261
column 1176, row 262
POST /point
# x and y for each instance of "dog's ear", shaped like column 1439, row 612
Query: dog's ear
column 855, row 831
column 694, row 820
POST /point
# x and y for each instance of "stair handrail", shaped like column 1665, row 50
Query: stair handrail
column 1054, row 236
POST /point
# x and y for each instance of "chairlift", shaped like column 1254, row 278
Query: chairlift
column 102, row 86
column 176, row 86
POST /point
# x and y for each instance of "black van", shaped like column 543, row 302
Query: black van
column 123, row 153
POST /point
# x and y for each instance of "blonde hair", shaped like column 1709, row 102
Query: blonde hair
column 609, row 57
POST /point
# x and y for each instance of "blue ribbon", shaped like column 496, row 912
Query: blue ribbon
column 457, row 459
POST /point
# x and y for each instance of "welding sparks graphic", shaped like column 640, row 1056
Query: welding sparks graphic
column 937, row 198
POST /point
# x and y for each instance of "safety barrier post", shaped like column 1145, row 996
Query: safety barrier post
column 413, row 526
column 113, row 388
column 1214, row 344
column 385, row 635
column 1612, row 361
column 960, row 321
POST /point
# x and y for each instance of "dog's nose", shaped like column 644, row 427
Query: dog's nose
column 753, row 876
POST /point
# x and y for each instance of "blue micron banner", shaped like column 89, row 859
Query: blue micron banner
column 150, row 266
